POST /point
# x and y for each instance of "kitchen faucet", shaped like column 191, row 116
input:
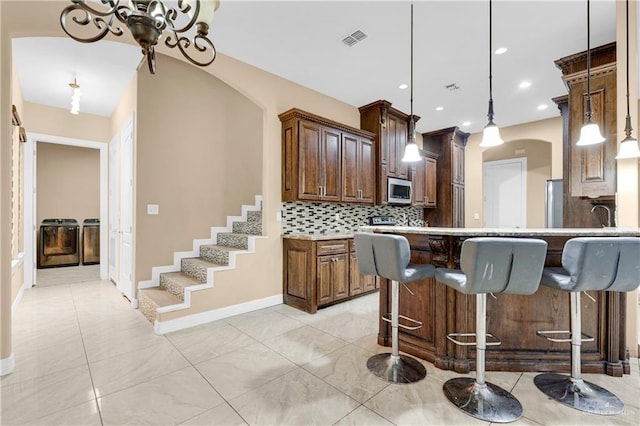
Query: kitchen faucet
column 608, row 213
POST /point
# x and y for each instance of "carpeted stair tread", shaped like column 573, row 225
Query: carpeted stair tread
column 197, row 267
column 180, row 279
column 247, row 228
column 216, row 246
column 254, row 216
column 201, row 262
column 160, row 296
column 234, row 239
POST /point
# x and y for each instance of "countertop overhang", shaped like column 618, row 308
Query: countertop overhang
column 506, row 232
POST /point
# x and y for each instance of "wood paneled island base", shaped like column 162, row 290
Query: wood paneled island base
column 513, row 319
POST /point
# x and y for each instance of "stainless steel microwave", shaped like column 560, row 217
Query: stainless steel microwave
column 398, row 191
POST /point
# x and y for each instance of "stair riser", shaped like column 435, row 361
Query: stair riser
column 193, row 270
column 173, row 288
column 233, row 240
column 215, row 255
column 147, row 307
column 254, row 216
column 251, row 228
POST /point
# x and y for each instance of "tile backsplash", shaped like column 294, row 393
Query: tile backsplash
column 320, row 218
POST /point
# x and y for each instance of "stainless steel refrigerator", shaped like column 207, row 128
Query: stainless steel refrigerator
column 553, row 208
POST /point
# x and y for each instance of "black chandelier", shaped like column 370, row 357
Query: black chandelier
column 147, row 20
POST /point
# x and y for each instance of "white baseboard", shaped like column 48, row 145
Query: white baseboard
column 7, row 365
column 215, row 314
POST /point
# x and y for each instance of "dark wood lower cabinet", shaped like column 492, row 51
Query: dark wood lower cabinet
column 513, row 319
column 321, row 273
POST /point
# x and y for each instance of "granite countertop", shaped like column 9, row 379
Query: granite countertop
column 504, row 232
column 319, row 237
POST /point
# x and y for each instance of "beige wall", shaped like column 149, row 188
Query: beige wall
column 538, row 155
column 68, row 182
column 198, row 156
column 59, row 122
column 542, row 142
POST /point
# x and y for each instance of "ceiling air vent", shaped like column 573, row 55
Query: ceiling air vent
column 354, row 37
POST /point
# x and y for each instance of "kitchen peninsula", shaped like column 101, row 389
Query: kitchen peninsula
column 513, row 319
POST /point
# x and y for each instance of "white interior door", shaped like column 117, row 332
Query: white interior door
column 125, row 281
column 505, row 193
column 114, row 208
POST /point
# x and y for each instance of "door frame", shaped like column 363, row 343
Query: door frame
column 30, row 214
column 523, row 190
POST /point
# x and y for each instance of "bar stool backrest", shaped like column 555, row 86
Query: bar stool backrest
column 502, row 265
column 384, row 255
column 602, row 263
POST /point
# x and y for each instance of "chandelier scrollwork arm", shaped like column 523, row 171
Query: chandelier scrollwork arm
column 146, row 20
column 201, row 42
column 82, row 15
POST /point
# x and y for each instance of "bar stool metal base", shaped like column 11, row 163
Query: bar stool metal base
column 485, row 402
column 579, row 394
column 402, row 369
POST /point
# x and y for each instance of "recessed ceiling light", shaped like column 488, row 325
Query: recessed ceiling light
column 543, row 106
column 466, row 123
column 439, row 108
column 403, row 86
column 525, row 84
column 501, row 50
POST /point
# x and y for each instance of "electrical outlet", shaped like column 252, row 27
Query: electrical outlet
column 153, row 209
column 337, row 216
column 278, row 216
column 476, row 216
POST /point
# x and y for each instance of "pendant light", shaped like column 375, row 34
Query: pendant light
column 75, row 97
column 491, row 133
column 590, row 132
column 411, row 153
column 629, row 145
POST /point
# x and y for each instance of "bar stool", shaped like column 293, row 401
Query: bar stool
column 388, row 256
column 597, row 264
column 490, row 265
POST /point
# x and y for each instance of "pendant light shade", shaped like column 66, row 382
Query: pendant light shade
column 629, row 145
column 491, row 136
column 491, row 133
column 411, row 153
column 628, row 149
column 590, row 132
column 75, row 97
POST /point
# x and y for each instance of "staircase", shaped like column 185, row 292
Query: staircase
column 172, row 287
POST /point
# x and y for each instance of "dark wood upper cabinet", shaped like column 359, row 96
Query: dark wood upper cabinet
column 391, row 129
column 323, row 160
column 449, row 145
column 358, row 169
column 424, row 179
column 592, row 171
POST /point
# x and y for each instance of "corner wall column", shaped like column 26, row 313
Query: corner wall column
column 6, row 350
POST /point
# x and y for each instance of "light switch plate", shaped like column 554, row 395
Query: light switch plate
column 153, row 209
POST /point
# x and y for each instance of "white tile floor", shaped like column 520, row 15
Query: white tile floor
column 84, row 357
